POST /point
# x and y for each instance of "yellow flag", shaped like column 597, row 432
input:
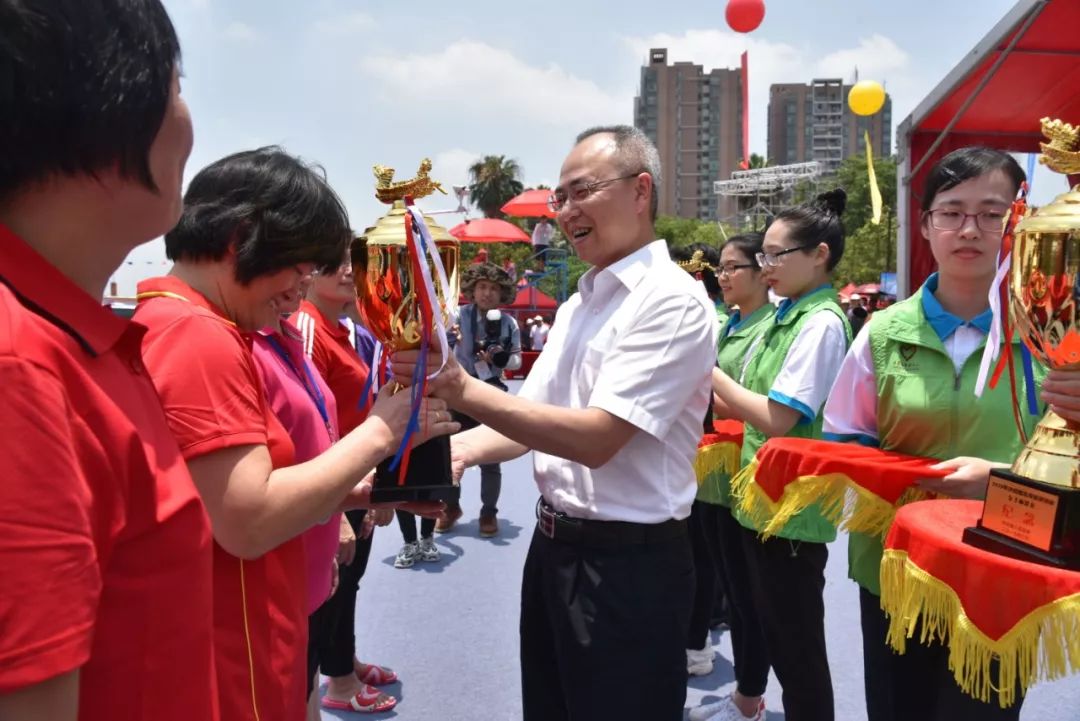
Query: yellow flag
column 875, row 191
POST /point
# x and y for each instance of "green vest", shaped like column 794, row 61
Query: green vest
column 925, row 409
column 730, row 357
column 761, row 373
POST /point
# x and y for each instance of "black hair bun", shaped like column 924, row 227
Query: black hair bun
column 833, row 201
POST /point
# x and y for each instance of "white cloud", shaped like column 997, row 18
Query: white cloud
column 451, row 167
column 481, row 82
column 346, row 25
column 241, row 33
column 877, row 57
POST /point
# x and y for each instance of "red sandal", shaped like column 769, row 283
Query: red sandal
column 369, row 673
column 368, row 700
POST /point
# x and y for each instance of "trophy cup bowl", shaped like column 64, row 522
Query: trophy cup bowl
column 387, row 301
column 1032, row 511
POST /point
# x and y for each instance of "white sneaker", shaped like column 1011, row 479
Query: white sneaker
column 725, row 710
column 406, row 557
column 699, row 663
column 429, row 552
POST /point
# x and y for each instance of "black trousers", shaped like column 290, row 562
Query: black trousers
column 749, row 647
column 917, row 684
column 603, row 631
column 709, row 579
column 339, row 647
column 788, row 580
column 407, row 523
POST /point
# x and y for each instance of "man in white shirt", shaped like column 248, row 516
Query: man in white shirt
column 541, row 239
column 613, row 411
column 539, row 333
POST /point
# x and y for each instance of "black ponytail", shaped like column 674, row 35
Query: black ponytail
column 818, row 221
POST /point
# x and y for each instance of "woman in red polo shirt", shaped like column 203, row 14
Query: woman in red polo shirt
column 255, row 224
column 105, row 561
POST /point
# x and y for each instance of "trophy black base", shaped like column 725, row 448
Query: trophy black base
column 429, row 476
column 1029, row 521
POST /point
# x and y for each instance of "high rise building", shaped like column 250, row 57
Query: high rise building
column 813, row 122
column 695, row 119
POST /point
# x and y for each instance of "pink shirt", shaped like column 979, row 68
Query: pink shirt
column 297, row 408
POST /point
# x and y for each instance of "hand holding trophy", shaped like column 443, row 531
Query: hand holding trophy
column 406, row 275
column 1032, row 511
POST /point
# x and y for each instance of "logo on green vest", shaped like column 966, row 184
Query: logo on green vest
column 907, row 355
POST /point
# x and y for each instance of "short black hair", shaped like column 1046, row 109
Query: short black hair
column 277, row 210
column 749, row 244
column 818, row 221
column 84, row 86
column 965, row 164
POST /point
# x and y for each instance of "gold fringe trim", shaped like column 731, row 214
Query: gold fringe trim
column 719, row 457
column 1044, row 645
column 843, row 502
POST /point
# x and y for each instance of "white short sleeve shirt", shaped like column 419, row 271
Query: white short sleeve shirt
column 638, row 340
column 811, row 365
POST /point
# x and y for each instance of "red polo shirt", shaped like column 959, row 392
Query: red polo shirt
column 105, row 562
column 326, row 342
column 214, row 399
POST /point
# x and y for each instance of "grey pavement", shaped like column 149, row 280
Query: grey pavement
column 450, row 629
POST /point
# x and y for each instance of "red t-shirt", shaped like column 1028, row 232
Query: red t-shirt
column 105, row 562
column 214, row 399
column 326, row 342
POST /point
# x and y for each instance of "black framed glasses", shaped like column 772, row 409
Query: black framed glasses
column 730, row 268
column 578, row 193
column 990, row 221
column 772, row 260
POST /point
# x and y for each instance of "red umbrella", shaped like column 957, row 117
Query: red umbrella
column 869, row 289
column 531, row 297
column 847, row 290
column 489, row 230
column 530, row 204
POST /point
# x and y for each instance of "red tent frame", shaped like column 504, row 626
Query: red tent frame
column 1026, row 68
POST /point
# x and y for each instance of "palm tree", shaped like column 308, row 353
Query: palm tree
column 494, row 181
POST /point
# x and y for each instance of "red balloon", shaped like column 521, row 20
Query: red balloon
column 744, row 16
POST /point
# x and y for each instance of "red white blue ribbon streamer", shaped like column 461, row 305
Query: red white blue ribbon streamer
column 421, row 249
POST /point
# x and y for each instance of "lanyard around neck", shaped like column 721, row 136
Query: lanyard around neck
column 307, row 380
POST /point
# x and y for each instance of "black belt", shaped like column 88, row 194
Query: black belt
column 603, row 534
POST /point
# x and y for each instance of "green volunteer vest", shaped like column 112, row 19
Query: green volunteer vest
column 764, row 367
column 730, row 356
column 925, row 409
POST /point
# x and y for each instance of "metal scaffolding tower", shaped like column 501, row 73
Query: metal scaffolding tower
column 764, row 191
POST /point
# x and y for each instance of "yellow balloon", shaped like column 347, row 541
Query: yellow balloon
column 866, row 97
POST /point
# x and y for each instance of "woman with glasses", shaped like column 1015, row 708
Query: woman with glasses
column 784, row 385
column 907, row 385
column 747, row 295
column 254, row 227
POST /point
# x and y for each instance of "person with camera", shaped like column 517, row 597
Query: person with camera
column 489, row 343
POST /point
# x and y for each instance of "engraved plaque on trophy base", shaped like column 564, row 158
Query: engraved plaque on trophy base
column 1029, row 521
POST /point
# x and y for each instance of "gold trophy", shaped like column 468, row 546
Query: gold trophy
column 386, row 290
column 1032, row 511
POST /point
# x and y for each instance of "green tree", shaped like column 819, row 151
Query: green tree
column 870, row 249
column 853, row 178
column 758, row 161
column 495, row 180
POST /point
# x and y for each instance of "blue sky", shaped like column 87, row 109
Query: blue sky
column 352, row 83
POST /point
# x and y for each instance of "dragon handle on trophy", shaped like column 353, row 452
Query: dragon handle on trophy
column 1032, row 510
column 405, row 268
